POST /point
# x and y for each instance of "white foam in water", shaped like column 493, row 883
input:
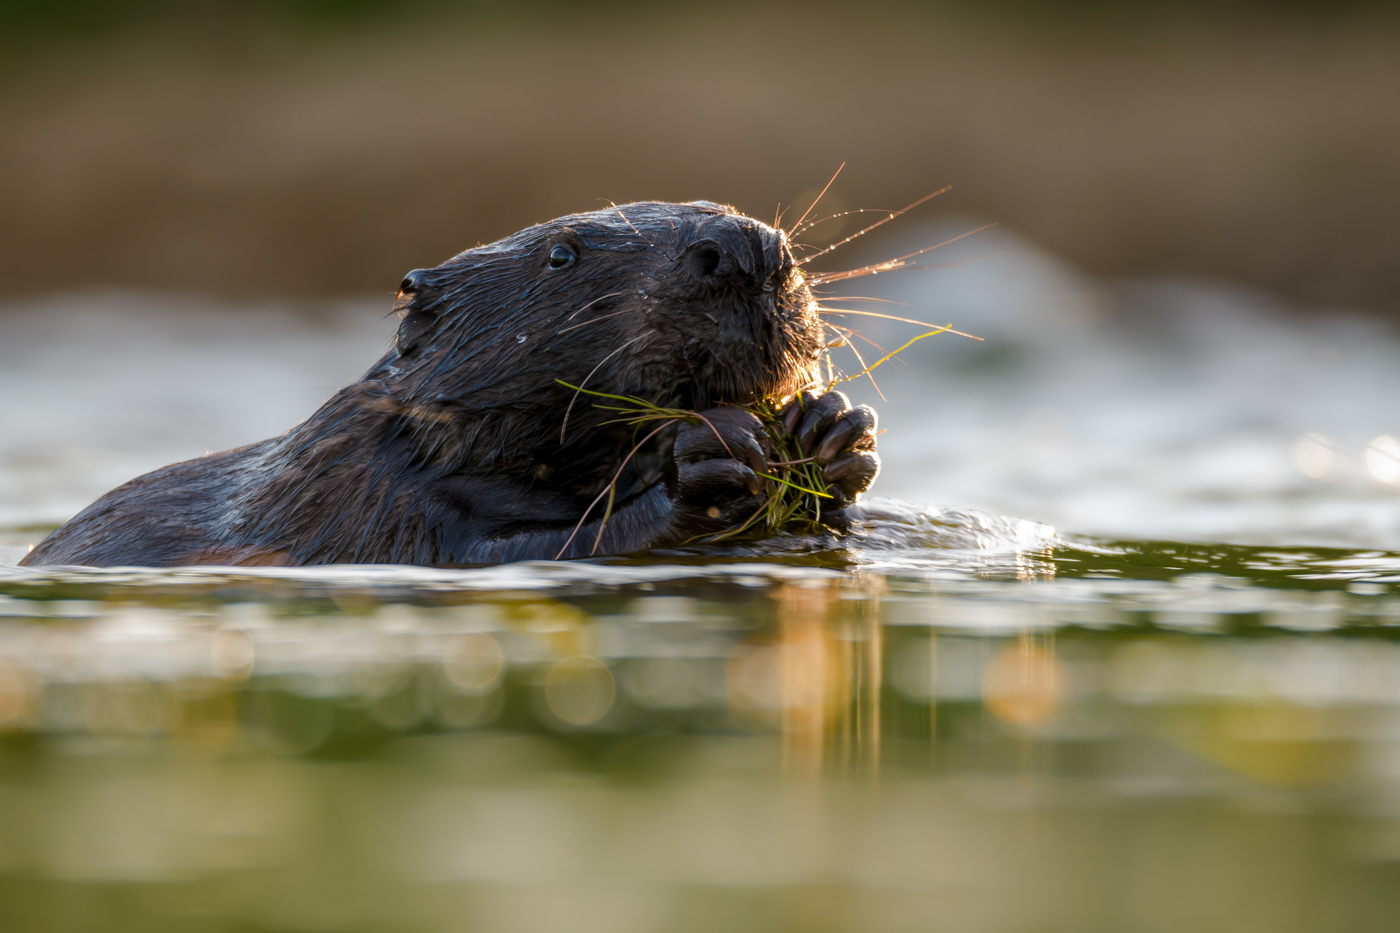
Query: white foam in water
column 1152, row 410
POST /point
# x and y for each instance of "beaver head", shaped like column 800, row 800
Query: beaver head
column 684, row 305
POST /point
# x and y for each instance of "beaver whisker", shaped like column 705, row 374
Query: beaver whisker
column 891, row 317
column 889, row 265
column 911, row 267
column 880, row 223
column 564, row 427
column 885, row 301
column 592, row 303
column 819, row 198
column 630, row 224
column 593, row 321
column 860, row 359
column 851, row 332
column 612, row 489
column 821, row 220
column 915, row 267
column 893, row 353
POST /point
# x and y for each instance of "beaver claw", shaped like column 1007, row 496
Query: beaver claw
column 841, row 439
column 720, row 459
column 718, row 462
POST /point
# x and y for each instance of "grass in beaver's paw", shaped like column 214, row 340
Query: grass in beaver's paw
column 797, row 494
column 796, row 490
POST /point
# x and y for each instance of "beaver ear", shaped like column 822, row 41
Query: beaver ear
column 413, row 305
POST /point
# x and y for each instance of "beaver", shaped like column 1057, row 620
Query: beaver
column 463, row 446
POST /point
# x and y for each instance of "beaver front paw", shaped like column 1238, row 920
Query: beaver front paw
column 840, row 438
column 718, row 462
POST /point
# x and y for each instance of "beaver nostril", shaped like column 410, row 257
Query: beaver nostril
column 707, row 261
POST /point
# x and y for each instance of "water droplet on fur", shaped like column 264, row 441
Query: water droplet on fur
column 520, row 338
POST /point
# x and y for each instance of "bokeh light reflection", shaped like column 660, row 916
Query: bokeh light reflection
column 473, row 661
column 233, row 651
column 1315, row 456
column 579, row 690
column 1383, row 460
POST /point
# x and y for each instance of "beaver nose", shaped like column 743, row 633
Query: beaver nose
column 416, row 290
column 415, row 280
column 738, row 251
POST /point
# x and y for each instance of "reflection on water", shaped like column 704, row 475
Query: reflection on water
column 1104, row 738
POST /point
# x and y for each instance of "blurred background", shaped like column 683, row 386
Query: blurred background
column 311, row 148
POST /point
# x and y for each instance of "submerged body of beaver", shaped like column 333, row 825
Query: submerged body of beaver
column 461, row 446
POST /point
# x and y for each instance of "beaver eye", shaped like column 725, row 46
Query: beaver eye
column 561, row 256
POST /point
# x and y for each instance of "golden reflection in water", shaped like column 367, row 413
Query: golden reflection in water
column 1035, row 565
column 861, row 635
column 829, row 672
column 804, row 673
column 562, row 629
column 1024, row 683
column 15, row 697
